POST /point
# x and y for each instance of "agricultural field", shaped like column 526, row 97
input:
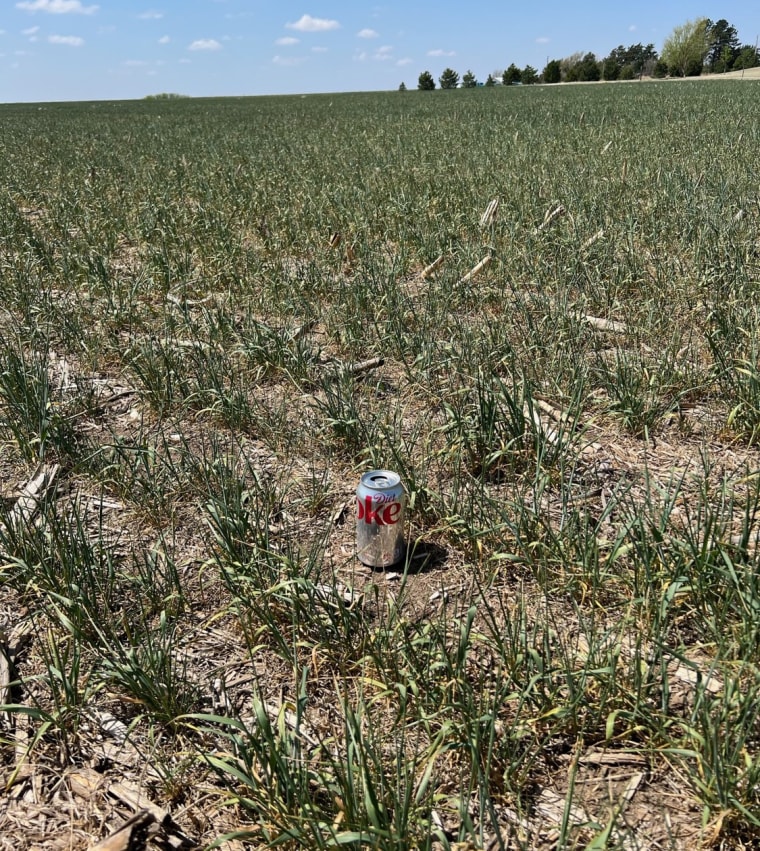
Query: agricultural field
column 216, row 314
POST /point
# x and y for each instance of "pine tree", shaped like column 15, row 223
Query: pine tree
column 449, row 79
column 426, row 83
column 552, row 73
column 512, row 75
column 469, row 80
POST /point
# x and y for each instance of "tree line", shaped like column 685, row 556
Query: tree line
column 691, row 49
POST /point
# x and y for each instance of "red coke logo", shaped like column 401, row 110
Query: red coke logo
column 383, row 515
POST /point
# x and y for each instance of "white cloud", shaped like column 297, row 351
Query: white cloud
column 150, row 15
column 70, row 40
column 632, row 28
column 405, row 61
column 307, row 24
column 383, row 53
column 368, row 33
column 287, row 40
column 319, row 49
column 440, row 52
column 164, row 39
column 361, row 57
column 542, row 39
column 30, row 31
column 57, row 7
column 287, row 61
column 205, row 44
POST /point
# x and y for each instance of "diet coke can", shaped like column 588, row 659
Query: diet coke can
column 380, row 501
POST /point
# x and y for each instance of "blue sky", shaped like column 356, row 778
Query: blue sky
column 57, row 50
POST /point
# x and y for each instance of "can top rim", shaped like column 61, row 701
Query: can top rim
column 380, row 480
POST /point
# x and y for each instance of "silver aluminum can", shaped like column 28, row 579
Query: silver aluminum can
column 380, row 503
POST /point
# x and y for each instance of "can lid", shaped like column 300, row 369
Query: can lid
column 380, row 479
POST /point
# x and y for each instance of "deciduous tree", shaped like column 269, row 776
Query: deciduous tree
column 686, row 47
column 568, row 63
column 748, row 57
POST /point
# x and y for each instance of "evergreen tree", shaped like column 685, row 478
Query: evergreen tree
column 631, row 61
column 512, row 75
column 589, row 70
column 583, row 70
column 610, row 68
column 552, row 73
column 426, row 83
column 724, row 45
column 449, row 79
column 469, row 81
